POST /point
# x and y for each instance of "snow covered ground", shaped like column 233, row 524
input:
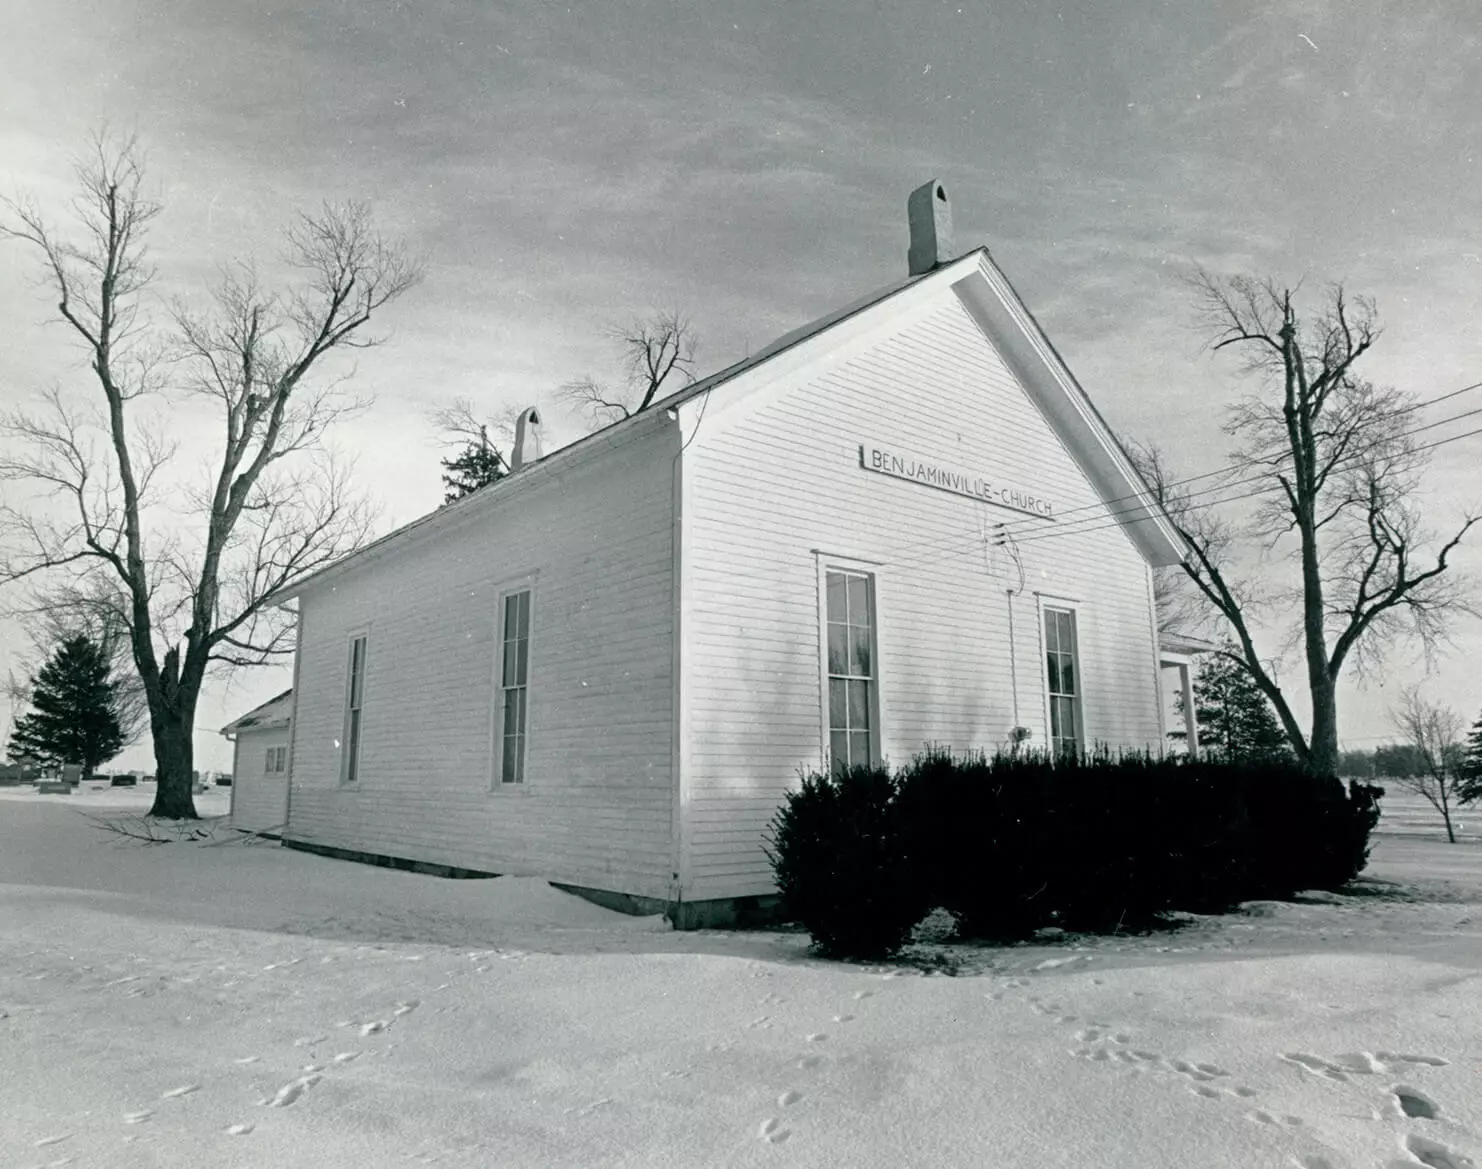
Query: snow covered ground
column 222, row 1002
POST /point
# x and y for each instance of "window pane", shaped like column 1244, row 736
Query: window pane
column 510, row 767
column 511, row 712
column 1052, row 669
column 859, row 748
column 1067, row 632
column 1052, row 632
column 357, row 670
column 352, row 770
column 1056, row 730
column 838, row 745
column 1067, row 675
column 522, row 665
column 838, row 703
column 859, row 600
column 524, row 626
column 510, row 675
column 836, row 609
column 511, row 617
column 838, row 653
column 859, row 705
column 859, row 650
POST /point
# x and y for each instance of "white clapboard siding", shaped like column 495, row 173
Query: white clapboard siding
column 259, row 799
column 598, row 805
column 769, row 480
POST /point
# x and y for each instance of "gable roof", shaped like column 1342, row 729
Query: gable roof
column 275, row 712
column 1009, row 326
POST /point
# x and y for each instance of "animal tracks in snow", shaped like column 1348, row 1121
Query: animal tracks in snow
column 290, row 1092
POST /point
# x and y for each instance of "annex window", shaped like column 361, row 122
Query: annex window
column 514, row 684
column 354, row 701
column 1063, row 681
column 277, row 760
column 852, row 698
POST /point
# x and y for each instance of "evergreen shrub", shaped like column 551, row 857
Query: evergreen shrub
column 1014, row 843
column 837, row 857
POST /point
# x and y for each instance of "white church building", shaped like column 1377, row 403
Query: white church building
column 904, row 524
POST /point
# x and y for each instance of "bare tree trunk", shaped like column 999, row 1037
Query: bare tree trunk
column 1322, row 751
column 1446, row 814
column 174, row 755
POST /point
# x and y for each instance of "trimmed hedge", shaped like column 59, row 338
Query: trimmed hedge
column 1014, row 843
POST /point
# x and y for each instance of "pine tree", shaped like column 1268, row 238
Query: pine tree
column 1235, row 718
column 1469, row 770
column 477, row 465
column 75, row 710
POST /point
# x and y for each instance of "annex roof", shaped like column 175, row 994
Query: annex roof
column 275, row 712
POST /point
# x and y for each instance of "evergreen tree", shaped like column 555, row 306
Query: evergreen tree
column 75, row 710
column 477, row 465
column 1235, row 718
column 1469, row 770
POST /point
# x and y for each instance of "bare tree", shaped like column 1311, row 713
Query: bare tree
column 653, row 350
column 1341, row 475
column 1435, row 732
column 106, row 518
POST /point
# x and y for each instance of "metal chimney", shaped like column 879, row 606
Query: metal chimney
column 527, row 439
column 930, row 216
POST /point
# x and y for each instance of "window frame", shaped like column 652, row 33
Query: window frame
column 497, row 781
column 350, row 775
column 825, row 564
column 1049, row 604
column 275, row 761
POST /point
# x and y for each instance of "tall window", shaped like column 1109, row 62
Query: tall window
column 354, row 701
column 277, row 760
column 851, row 668
column 1064, row 681
column 514, row 684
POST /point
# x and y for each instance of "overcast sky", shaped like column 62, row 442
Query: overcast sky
column 562, row 167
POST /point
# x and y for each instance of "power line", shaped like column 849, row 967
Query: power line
column 953, row 543
column 1096, row 522
column 1033, row 538
column 1246, row 464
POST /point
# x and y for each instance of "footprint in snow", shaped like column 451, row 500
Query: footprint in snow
column 1312, row 1161
column 1435, row 1155
column 1316, row 1065
column 863, row 994
column 843, row 1018
column 310, row 1040
column 788, row 1098
column 772, row 1132
column 1430, row 1061
column 406, row 1008
column 346, row 1056
column 817, row 1037
column 291, row 1091
column 183, row 1090
column 375, row 1027
column 1415, row 1103
column 239, row 1130
column 54, row 1140
column 138, row 1117
column 808, row 1062
column 247, row 1059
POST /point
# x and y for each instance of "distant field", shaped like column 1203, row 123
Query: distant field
column 1406, row 814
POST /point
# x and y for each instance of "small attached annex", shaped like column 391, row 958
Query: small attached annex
column 904, row 524
column 260, row 766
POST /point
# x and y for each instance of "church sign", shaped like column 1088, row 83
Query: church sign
column 955, row 479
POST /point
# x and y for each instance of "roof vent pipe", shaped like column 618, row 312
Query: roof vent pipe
column 527, row 439
column 930, row 217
